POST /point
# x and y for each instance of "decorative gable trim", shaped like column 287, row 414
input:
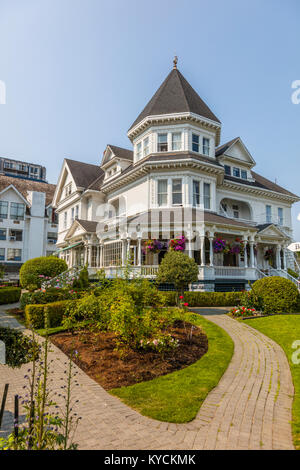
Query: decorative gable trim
column 11, row 186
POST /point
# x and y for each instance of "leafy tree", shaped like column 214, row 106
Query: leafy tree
column 37, row 270
column 178, row 269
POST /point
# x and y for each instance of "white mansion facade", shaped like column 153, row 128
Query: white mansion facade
column 176, row 181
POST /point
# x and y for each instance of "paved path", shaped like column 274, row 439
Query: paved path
column 249, row 409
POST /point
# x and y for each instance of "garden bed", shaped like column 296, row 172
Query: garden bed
column 98, row 358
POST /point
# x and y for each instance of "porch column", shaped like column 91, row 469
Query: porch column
column 252, row 260
column 128, row 249
column 85, row 254
column 211, row 251
column 90, row 256
column 98, row 256
column 139, row 253
column 278, row 260
column 202, row 250
column 101, row 263
column 123, row 252
column 190, row 237
column 245, row 253
column 284, row 258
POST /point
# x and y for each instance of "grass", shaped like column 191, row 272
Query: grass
column 51, row 331
column 284, row 330
column 177, row 397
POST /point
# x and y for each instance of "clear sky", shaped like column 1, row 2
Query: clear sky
column 78, row 72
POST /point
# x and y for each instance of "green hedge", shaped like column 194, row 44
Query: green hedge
column 206, row 299
column 9, row 295
column 19, row 348
column 279, row 295
column 50, row 295
column 35, row 314
column 36, row 270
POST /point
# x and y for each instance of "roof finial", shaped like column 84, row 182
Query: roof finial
column 175, row 61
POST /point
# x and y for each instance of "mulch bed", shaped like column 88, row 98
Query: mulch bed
column 98, row 359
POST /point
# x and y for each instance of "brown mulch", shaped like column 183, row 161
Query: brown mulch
column 98, row 358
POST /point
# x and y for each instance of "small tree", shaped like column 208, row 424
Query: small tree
column 36, row 270
column 178, row 269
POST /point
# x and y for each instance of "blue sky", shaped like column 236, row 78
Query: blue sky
column 78, row 72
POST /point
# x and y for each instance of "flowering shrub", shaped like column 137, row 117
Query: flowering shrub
column 34, row 271
column 161, row 343
column 49, row 295
column 177, row 244
column 243, row 311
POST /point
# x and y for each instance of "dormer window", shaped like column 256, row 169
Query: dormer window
column 227, row 169
column 139, row 151
column 176, row 141
column 236, row 172
column 195, row 143
column 68, row 190
column 206, row 147
column 244, row 174
column 146, row 149
column 162, row 142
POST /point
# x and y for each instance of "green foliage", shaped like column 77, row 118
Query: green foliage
column 2, row 271
column 177, row 268
column 83, row 280
column 90, row 311
column 48, row 295
column 293, row 273
column 19, row 348
column 252, row 300
column 279, row 295
column 9, row 295
column 205, row 299
column 35, row 271
column 35, row 315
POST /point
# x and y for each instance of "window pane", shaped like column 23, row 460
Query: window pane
column 177, row 191
column 17, row 211
column 206, row 189
column 196, row 193
column 236, row 172
column 205, row 146
column 162, row 143
column 176, row 141
column 195, row 143
column 227, row 170
column 3, row 234
column 244, row 174
column 280, row 216
column 162, row 192
column 268, row 214
column 2, row 254
column 3, row 209
column 146, row 146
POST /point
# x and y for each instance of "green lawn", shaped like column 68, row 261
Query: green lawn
column 285, row 329
column 177, row 397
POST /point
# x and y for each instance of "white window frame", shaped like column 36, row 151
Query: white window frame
column 177, row 192
column 205, row 198
column 206, row 146
column 162, row 143
column 146, row 146
column 193, row 193
column 268, row 214
column 196, row 143
column 176, row 142
column 139, row 150
column 162, row 193
column 280, row 217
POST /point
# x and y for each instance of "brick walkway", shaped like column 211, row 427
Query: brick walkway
column 249, row 409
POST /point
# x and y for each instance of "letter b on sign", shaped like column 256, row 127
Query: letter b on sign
column 2, row 353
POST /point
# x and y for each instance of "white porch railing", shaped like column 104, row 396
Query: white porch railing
column 230, row 272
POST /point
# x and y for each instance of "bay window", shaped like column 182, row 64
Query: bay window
column 227, row 169
column 206, row 147
column 139, row 150
column 17, row 210
column 280, row 216
column 206, row 190
column 244, row 174
column 177, row 191
column 162, row 193
column 162, row 142
column 196, row 193
column 236, row 172
column 176, row 141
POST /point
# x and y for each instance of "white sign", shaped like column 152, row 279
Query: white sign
column 294, row 246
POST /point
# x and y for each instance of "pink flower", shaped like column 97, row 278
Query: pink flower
column 181, row 297
column 186, row 304
column 155, row 342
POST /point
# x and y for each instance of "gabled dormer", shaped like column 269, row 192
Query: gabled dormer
column 115, row 161
column 236, row 159
column 175, row 119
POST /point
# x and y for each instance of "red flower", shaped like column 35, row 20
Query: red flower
column 186, row 304
column 181, row 297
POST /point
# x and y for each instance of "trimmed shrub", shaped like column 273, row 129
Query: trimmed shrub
column 279, row 295
column 34, row 271
column 9, row 295
column 83, row 281
column 35, row 314
column 178, row 269
column 19, row 349
column 205, row 299
column 48, row 296
column 293, row 273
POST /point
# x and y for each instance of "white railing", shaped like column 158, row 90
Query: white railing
column 149, row 271
column 230, row 272
column 65, row 278
column 260, row 274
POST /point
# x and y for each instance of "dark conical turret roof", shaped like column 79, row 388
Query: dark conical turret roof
column 175, row 95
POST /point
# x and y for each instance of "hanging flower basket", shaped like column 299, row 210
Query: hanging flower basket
column 152, row 246
column 221, row 245
column 237, row 247
column 177, row 244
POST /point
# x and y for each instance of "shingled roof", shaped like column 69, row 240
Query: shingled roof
column 84, row 174
column 222, row 149
column 260, row 182
column 122, row 153
column 175, row 95
column 23, row 186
